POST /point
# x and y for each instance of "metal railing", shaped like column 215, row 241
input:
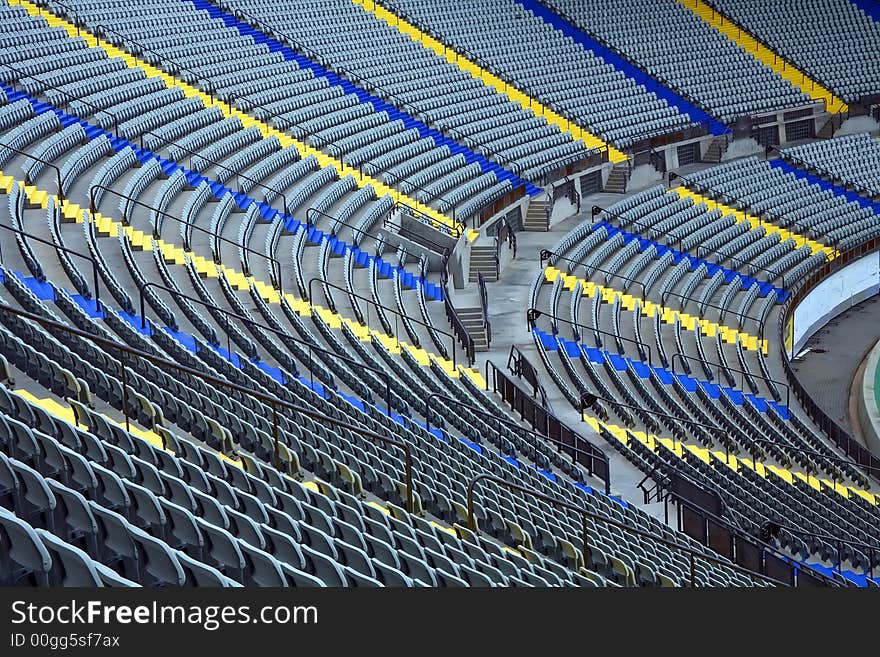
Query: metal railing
column 276, row 264
column 532, row 315
column 484, row 305
column 59, row 188
column 239, row 176
column 546, row 254
column 228, row 314
column 684, row 358
column 826, row 173
column 58, row 247
column 862, row 457
column 397, row 313
column 693, row 555
column 678, row 239
column 772, row 216
column 69, row 96
column 545, row 423
column 124, row 352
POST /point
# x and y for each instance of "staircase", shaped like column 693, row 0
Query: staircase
column 716, row 150
column 537, row 216
column 483, row 262
column 619, row 177
column 475, row 324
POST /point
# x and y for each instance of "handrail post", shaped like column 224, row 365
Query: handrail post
column 123, row 379
column 276, row 450
column 410, row 496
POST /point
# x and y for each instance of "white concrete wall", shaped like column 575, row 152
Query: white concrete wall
column 837, row 293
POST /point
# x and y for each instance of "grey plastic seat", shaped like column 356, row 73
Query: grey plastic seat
column 38, row 501
column 74, row 516
column 261, row 568
column 300, row 579
column 159, row 562
column 183, row 531
column 447, row 580
column 146, row 508
column 22, row 553
column 223, row 549
column 416, row 568
column 110, row 577
column 323, row 567
column 9, row 486
column 391, row 577
column 200, row 574
column 354, row 557
column 360, row 580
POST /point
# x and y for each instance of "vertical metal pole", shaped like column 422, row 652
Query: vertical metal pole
column 410, row 501
column 276, row 455
column 124, row 389
column 693, row 570
column 584, row 555
column 472, row 525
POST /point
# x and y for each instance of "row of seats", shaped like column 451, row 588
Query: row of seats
column 351, row 39
column 674, row 44
column 833, row 41
column 754, row 184
column 314, row 460
column 852, row 159
column 742, row 414
column 550, row 66
column 163, row 117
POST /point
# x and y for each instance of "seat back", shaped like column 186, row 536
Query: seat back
column 70, row 565
column 22, row 553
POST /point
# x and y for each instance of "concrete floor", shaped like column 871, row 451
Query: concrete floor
column 838, row 350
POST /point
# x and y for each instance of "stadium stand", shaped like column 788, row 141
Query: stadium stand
column 852, row 160
column 700, row 61
column 229, row 350
column 822, row 37
column 541, row 59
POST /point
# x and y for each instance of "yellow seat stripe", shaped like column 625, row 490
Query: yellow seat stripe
column 667, row 315
column 754, row 222
column 239, row 281
column 523, row 100
column 718, row 457
column 247, row 120
column 766, row 56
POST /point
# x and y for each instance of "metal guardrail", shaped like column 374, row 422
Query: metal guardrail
column 124, row 352
column 693, row 555
column 832, row 177
column 861, row 456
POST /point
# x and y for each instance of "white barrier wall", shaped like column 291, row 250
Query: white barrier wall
column 840, row 291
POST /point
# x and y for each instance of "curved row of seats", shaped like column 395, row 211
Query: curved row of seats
column 821, row 37
column 431, row 487
column 551, row 67
column 713, row 373
column 352, row 39
column 687, row 52
column 792, row 201
column 163, row 118
column 852, row 159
